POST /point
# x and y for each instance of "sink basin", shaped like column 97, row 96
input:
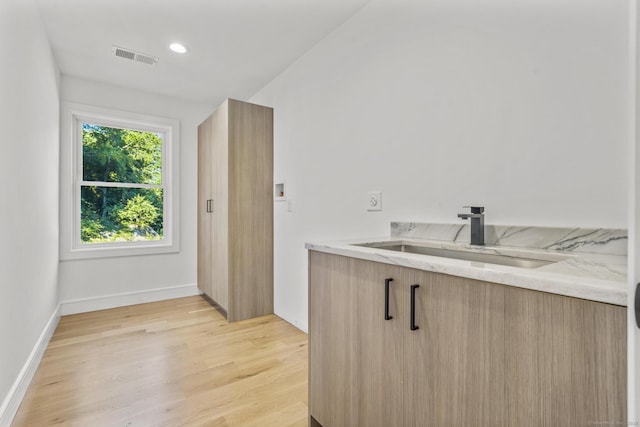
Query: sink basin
column 483, row 257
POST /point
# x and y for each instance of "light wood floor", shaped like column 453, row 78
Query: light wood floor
column 170, row 363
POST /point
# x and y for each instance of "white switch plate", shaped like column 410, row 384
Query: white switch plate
column 374, row 201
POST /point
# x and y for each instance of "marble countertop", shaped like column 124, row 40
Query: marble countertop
column 592, row 276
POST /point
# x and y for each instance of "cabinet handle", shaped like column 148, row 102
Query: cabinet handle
column 637, row 304
column 210, row 205
column 387, row 282
column 412, row 322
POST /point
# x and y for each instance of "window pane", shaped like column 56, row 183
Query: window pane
column 116, row 214
column 121, row 155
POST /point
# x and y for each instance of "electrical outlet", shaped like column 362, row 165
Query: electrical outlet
column 374, row 201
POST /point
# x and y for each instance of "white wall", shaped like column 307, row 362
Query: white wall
column 29, row 191
column 97, row 278
column 519, row 106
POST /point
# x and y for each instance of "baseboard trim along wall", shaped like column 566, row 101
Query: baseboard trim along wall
column 85, row 305
column 12, row 401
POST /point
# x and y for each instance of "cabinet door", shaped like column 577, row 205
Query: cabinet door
column 330, row 340
column 566, row 360
column 219, row 261
column 377, row 345
column 204, row 205
column 454, row 362
column 355, row 353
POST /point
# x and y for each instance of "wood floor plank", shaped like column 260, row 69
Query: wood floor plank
column 169, row 363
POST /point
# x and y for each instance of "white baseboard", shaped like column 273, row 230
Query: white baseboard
column 85, row 305
column 12, row 401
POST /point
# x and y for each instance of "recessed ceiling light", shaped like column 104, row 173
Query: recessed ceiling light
column 178, row 48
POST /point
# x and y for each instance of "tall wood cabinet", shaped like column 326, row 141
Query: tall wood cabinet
column 235, row 209
column 476, row 353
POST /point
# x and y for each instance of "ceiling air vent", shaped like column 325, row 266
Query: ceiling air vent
column 134, row 56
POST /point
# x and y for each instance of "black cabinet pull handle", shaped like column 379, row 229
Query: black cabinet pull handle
column 637, row 305
column 210, row 205
column 412, row 323
column 387, row 282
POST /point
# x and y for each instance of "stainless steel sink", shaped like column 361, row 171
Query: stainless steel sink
column 483, row 257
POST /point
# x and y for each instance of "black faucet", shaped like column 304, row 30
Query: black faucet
column 477, row 224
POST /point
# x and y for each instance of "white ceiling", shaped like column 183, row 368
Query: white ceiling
column 236, row 46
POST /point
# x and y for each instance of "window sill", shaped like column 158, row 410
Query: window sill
column 118, row 251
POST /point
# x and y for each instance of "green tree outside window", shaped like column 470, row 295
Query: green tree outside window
column 123, row 205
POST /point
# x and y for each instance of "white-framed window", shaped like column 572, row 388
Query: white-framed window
column 119, row 183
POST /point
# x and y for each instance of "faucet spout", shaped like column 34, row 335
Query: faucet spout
column 467, row 216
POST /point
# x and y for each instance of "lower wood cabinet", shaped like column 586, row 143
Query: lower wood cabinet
column 566, row 361
column 476, row 353
column 330, row 348
column 453, row 364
